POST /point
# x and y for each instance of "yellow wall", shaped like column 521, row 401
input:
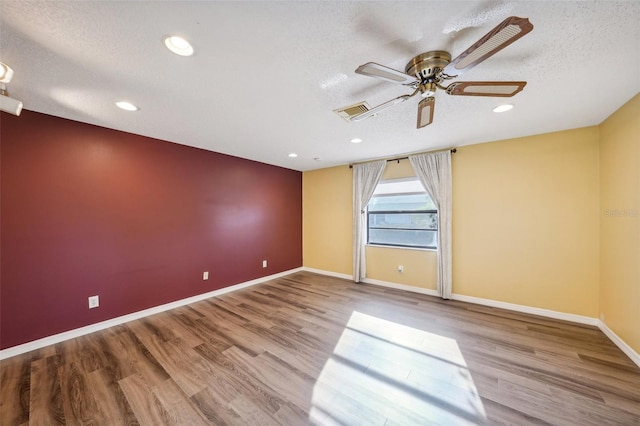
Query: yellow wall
column 549, row 221
column 620, row 222
column 419, row 266
column 382, row 262
column 327, row 230
column 525, row 221
column 327, row 219
column 398, row 169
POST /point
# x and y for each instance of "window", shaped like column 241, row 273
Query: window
column 402, row 214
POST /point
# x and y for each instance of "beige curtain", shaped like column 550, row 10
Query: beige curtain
column 434, row 171
column 365, row 179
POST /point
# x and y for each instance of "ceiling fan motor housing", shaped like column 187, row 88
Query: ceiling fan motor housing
column 426, row 65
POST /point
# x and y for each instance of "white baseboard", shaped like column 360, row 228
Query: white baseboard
column 526, row 309
column 404, row 287
column 475, row 300
column 328, row 273
column 373, row 281
column 628, row 350
column 60, row 337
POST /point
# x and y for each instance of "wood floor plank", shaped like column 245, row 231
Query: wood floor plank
column 213, row 403
column 144, row 403
column 240, row 380
column 178, row 406
column 312, row 349
column 292, row 384
column 110, row 398
column 180, row 362
column 503, row 415
column 135, row 358
column 45, row 402
column 15, row 389
column 78, row 400
column 291, row 415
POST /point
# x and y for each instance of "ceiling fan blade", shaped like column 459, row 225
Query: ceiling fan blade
column 425, row 111
column 486, row 88
column 372, row 69
column 381, row 107
column 508, row 31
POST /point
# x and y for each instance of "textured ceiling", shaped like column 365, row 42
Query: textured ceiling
column 266, row 76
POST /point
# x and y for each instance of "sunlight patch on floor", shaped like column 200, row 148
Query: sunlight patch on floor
column 383, row 373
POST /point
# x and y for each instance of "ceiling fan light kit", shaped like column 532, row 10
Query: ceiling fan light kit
column 428, row 71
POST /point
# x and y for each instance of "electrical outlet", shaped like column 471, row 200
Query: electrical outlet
column 94, row 302
column 264, row 263
column 205, row 275
column 400, row 268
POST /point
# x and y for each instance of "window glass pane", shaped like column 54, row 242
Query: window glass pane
column 398, row 186
column 402, row 202
column 404, row 220
column 401, row 213
column 404, row 238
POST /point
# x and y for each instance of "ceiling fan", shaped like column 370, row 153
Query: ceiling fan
column 428, row 71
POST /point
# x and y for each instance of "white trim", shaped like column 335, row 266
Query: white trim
column 328, row 273
column 433, row 250
column 580, row 319
column 628, row 350
column 469, row 299
column 427, row 291
column 71, row 334
column 624, row 347
column 60, row 337
column 397, row 286
column 526, row 309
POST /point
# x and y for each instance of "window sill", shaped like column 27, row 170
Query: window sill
column 402, row 248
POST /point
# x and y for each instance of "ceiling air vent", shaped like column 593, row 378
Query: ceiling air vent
column 351, row 111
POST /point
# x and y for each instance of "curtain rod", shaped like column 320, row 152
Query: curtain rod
column 453, row 151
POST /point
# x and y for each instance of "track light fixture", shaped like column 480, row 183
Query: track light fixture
column 7, row 104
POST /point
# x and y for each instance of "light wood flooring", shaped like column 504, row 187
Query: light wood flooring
column 310, row 349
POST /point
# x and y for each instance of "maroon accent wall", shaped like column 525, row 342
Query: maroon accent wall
column 93, row 211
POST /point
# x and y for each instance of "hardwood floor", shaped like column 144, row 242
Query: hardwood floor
column 310, row 349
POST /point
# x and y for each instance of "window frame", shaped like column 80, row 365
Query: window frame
column 425, row 211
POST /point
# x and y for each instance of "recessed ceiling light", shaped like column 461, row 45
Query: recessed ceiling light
column 178, row 45
column 356, row 140
column 127, row 106
column 293, row 155
column 503, row 108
